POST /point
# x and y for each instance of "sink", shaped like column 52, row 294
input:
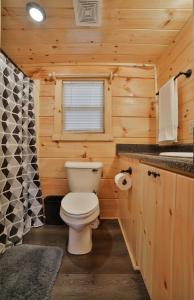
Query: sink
column 177, row 154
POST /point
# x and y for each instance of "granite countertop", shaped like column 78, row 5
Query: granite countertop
column 184, row 166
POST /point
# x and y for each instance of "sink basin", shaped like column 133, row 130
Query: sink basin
column 177, row 154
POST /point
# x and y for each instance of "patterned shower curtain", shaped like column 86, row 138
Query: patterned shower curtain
column 20, row 194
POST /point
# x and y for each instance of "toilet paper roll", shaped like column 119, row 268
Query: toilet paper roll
column 123, row 181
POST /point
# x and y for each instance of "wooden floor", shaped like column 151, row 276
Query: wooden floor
column 105, row 273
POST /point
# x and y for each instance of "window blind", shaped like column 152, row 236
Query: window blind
column 83, row 103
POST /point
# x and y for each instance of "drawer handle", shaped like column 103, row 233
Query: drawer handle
column 156, row 174
column 129, row 171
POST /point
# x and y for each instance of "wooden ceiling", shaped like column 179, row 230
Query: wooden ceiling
column 136, row 31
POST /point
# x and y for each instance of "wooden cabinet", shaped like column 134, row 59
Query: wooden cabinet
column 157, row 219
column 183, row 252
column 158, row 198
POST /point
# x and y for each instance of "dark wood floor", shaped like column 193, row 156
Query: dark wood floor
column 105, row 273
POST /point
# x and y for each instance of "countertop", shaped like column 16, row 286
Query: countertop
column 179, row 165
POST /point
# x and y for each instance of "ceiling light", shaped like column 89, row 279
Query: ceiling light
column 36, row 12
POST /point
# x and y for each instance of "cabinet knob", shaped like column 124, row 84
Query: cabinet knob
column 156, row 174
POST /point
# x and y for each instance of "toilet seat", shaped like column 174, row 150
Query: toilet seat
column 79, row 204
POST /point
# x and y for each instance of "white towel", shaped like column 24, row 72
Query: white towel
column 168, row 112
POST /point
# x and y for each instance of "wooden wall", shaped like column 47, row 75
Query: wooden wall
column 179, row 57
column 133, row 121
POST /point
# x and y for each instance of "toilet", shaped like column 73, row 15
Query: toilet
column 80, row 207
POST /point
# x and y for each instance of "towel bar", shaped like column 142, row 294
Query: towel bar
column 187, row 74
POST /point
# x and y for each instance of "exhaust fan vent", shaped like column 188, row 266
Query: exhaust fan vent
column 87, row 12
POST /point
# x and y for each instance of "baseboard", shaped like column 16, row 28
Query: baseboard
column 133, row 261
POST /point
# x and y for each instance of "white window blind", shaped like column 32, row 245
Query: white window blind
column 83, row 103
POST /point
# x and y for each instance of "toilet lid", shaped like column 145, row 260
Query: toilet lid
column 79, row 203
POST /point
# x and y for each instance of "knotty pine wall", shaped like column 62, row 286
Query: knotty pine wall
column 133, row 121
column 179, row 57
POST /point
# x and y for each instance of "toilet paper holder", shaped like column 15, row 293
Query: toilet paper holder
column 129, row 170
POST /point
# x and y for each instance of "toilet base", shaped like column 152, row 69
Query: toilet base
column 80, row 241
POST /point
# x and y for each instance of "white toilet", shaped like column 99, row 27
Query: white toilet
column 80, row 207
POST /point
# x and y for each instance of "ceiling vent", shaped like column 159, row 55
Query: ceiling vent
column 87, row 12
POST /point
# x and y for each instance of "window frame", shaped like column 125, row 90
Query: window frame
column 58, row 132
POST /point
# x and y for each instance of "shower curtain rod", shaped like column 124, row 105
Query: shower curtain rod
column 2, row 51
column 187, row 74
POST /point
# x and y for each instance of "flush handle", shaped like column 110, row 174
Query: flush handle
column 94, row 170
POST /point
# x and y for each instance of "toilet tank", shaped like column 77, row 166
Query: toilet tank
column 83, row 176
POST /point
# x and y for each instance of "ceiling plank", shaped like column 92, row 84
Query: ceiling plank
column 74, row 58
column 148, row 4
column 60, row 18
column 59, row 36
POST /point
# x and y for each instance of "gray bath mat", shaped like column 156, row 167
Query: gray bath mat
column 28, row 272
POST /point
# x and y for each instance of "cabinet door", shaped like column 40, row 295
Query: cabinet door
column 148, row 208
column 124, row 163
column 134, row 202
column 128, row 212
column 163, row 235
column 183, row 258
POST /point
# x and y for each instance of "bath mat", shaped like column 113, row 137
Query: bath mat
column 28, row 272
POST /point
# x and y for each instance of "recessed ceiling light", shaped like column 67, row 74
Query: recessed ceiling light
column 36, row 12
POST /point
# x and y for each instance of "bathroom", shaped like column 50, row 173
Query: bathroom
column 107, row 187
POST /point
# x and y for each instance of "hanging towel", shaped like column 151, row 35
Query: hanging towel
column 168, row 112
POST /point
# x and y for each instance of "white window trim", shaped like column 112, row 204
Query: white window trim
column 58, row 132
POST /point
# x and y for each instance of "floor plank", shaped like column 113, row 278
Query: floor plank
column 105, row 273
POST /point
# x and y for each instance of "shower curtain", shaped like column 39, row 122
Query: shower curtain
column 20, row 194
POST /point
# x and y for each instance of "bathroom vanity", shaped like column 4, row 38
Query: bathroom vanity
column 156, row 217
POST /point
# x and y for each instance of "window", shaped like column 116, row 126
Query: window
column 82, row 110
column 83, row 106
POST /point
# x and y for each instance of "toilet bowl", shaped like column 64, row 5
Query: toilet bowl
column 80, row 207
column 79, row 218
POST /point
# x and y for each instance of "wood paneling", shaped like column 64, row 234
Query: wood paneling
column 46, row 106
column 133, row 121
column 131, row 31
column 133, row 127
column 52, row 149
column 133, row 87
column 183, row 251
column 177, row 58
column 129, row 107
